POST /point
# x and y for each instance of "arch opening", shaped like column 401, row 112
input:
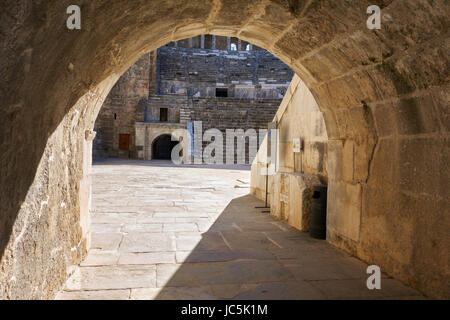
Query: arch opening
column 383, row 95
column 162, row 147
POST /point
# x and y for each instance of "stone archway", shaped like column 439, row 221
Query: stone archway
column 383, row 93
column 162, row 147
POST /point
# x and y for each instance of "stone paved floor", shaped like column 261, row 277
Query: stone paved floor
column 166, row 232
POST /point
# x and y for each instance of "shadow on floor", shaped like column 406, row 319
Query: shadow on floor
column 246, row 254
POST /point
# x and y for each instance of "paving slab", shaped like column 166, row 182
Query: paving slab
column 143, row 228
column 357, row 289
column 147, row 242
column 171, row 293
column 106, row 227
column 112, row 277
column 106, row 240
column 146, row 258
column 292, row 290
column 180, row 227
column 100, row 258
column 94, row 295
column 230, row 272
column 216, row 256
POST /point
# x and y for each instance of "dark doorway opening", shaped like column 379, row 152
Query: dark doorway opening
column 162, row 147
column 222, row 92
column 163, row 114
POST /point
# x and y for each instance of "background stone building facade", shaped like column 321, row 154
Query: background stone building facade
column 206, row 78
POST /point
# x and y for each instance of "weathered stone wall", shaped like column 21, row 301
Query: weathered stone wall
column 175, row 104
column 219, row 113
column 294, row 174
column 118, row 113
column 233, row 114
column 175, row 73
column 383, row 94
column 147, row 132
column 51, row 232
column 198, row 72
column 298, row 117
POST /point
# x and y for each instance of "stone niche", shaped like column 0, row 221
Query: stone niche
column 291, row 198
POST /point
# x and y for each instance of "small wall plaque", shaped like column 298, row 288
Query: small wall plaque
column 296, row 145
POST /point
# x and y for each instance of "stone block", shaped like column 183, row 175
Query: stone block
column 344, row 209
column 334, row 161
column 291, row 199
column 348, row 159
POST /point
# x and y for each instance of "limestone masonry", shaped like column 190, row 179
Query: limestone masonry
column 383, row 94
column 181, row 83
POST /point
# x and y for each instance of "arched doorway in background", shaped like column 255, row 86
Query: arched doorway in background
column 162, row 147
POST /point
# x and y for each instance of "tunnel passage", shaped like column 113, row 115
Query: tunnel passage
column 383, row 94
column 162, row 147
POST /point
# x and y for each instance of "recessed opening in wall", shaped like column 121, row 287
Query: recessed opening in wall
column 115, row 116
column 163, row 114
column 221, row 92
column 162, row 147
